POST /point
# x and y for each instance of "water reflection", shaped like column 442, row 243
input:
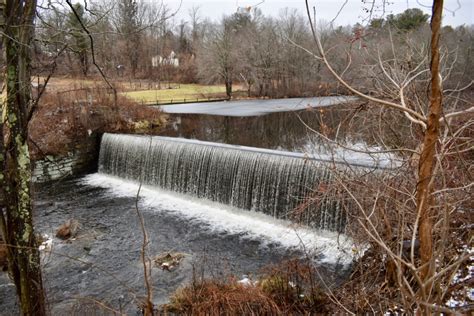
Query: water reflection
column 290, row 131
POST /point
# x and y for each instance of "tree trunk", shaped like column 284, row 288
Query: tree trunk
column 228, row 87
column 23, row 253
column 427, row 161
column 84, row 59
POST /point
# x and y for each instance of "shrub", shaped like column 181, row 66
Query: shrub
column 287, row 288
column 62, row 119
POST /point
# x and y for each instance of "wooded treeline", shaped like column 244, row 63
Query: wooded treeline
column 266, row 55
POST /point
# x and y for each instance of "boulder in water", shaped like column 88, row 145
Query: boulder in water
column 68, row 229
column 168, row 261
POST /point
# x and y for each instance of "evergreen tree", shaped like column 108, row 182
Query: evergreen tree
column 410, row 19
column 77, row 37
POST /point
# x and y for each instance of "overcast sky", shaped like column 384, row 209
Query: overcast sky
column 457, row 12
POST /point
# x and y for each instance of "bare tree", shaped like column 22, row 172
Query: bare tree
column 196, row 29
column 216, row 57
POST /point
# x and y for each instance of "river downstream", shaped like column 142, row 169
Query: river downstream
column 102, row 262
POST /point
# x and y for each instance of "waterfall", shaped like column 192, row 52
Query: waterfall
column 268, row 181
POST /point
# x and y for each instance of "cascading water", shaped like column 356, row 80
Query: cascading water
column 268, row 181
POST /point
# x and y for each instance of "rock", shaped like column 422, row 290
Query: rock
column 168, row 261
column 166, row 266
column 68, row 229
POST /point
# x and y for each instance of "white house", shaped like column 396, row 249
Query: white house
column 170, row 60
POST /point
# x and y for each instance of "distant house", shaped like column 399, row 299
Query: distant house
column 171, row 60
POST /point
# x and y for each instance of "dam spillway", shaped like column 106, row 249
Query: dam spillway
column 267, row 181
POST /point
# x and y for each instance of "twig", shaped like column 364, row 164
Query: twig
column 146, row 269
column 91, row 39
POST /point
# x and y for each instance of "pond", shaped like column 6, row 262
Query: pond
column 313, row 131
column 243, row 108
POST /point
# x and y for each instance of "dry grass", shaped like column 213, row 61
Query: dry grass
column 211, row 297
column 286, row 289
column 58, row 84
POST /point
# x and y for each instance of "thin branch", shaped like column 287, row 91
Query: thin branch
column 146, row 241
column 91, row 39
column 54, row 64
column 411, row 118
column 339, row 12
column 453, row 114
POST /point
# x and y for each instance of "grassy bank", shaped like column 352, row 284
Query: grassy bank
column 177, row 92
column 143, row 91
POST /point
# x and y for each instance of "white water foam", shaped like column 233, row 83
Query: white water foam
column 333, row 248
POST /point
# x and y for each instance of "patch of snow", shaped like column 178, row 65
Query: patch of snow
column 246, row 281
column 461, row 296
column 47, row 243
column 455, row 303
